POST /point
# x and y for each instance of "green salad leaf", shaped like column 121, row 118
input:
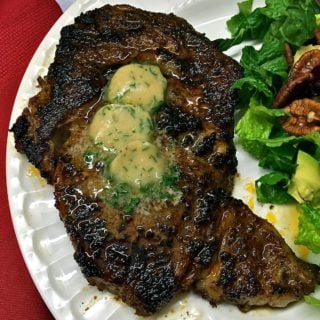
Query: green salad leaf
column 309, row 227
column 296, row 21
column 264, row 72
column 258, row 121
column 280, row 159
column 275, row 9
column 247, row 24
column 299, row 21
column 312, row 300
column 256, row 126
column 272, row 188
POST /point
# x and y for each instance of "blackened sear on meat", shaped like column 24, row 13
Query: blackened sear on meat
column 201, row 251
column 174, row 121
column 207, row 204
column 117, row 259
column 254, row 266
column 34, row 151
column 205, row 146
column 87, row 264
column 152, row 278
column 146, row 259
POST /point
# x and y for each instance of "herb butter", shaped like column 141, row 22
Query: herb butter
column 115, row 125
column 124, row 140
column 139, row 163
column 137, row 84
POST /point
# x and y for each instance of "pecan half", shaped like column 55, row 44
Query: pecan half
column 303, row 80
column 307, row 63
column 304, row 117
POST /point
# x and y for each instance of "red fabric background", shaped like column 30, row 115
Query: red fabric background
column 23, row 24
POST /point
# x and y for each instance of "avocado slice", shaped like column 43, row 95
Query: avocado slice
column 305, row 183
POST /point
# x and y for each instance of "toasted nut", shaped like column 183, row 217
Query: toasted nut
column 306, row 64
column 304, row 73
column 304, row 117
column 291, row 90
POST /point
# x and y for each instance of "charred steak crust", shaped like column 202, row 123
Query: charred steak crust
column 146, row 258
column 102, row 40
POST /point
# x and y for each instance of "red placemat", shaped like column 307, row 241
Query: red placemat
column 23, row 24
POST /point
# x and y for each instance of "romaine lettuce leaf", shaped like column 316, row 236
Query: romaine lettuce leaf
column 272, row 188
column 247, row 24
column 258, row 122
column 297, row 22
column 312, row 300
column 275, row 9
column 236, row 23
column 309, row 227
column 264, row 71
column 255, row 127
column 279, row 158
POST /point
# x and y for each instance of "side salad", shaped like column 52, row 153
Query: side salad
column 293, row 160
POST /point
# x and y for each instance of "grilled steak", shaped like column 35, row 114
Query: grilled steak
column 201, row 236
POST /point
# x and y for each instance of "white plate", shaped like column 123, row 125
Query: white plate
column 42, row 238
